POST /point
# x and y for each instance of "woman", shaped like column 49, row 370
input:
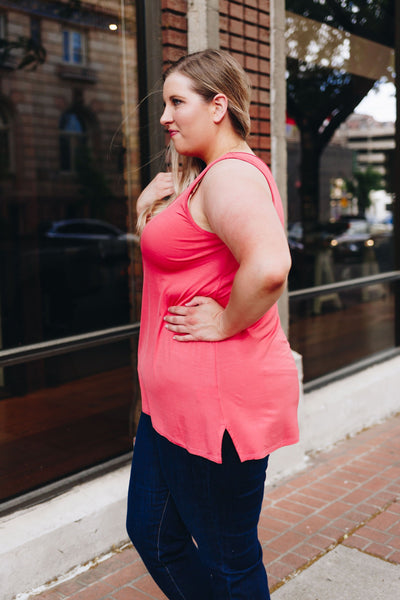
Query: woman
column 219, row 384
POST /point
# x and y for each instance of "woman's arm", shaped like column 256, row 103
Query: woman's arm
column 160, row 187
column 234, row 200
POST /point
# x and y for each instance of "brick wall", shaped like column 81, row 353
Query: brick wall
column 174, row 30
column 244, row 32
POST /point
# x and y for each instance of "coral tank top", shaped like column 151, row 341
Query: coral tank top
column 194, row 391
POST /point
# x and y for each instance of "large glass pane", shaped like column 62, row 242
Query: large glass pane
column 69, row 258
column 72, row 422
column 69, row 132
column 360, row 325
column 341, row 150
column 341, row 114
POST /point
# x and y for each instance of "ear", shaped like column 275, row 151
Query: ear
column 220, row 107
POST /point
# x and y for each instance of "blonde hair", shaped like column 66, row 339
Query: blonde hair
column 211, row 72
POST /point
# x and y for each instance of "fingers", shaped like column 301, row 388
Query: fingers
column 197, row 320
column 164, row 184
column 197, row 300
column 161, row 186
column 164, row 177
column 178, row 322
column 184, row 338
column 179, row 310
column 176, row 327
column 181, row 330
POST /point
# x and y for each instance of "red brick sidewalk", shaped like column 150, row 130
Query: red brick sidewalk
column 350, row 495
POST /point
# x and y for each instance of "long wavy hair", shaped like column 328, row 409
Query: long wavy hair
column 211, row 72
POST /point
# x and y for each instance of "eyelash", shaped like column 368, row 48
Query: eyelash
column 176, row 101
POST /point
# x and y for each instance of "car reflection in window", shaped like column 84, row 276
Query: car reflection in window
column 348, row 248
column 84, row 275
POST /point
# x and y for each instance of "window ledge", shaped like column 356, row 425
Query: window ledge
column 77, row 73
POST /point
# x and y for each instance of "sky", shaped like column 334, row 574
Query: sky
column 380, row 104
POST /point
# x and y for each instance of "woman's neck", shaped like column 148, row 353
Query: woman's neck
column 225, row 147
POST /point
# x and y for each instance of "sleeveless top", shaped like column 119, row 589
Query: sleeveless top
column 194, row 391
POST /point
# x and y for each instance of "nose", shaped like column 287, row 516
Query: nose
column 165, row 117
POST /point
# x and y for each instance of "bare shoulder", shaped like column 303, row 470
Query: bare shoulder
column 232, row 176
column 237, row 205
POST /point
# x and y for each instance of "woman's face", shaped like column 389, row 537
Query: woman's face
column 187, row 117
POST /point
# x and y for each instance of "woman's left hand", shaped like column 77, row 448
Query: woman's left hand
column 198, row 320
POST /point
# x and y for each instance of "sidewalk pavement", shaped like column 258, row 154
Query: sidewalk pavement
column 330, row 532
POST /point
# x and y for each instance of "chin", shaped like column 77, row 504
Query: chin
column 188, row 151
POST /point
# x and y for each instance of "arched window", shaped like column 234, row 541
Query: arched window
column 5, row 142
column 73, row 140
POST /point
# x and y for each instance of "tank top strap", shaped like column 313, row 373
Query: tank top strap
column 253, row 160
column 244, row 156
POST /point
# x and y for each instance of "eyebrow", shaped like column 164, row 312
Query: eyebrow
column 180, row 96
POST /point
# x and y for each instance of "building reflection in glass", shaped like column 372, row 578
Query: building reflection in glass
column 340, row 161
column 69, row 259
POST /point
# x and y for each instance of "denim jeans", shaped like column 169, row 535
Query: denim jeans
column 194, row 522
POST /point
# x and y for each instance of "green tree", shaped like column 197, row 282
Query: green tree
column 362, row 184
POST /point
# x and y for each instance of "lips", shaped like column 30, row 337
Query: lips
column 172, row 132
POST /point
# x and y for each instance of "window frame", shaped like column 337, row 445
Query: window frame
column 71, row 32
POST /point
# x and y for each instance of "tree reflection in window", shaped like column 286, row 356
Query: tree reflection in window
column 73, row 141
column 329, row 73
column 372, row 19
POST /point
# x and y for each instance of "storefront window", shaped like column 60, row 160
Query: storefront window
column 341, row 156
column 82, row 416
column 69, row 258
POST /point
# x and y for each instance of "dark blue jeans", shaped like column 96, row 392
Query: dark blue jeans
column 194, row 522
